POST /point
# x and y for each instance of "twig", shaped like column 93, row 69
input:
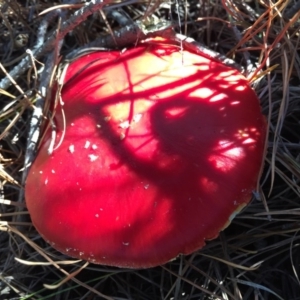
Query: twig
column 251, row 13
column 36, row 120
column 43, row 26
column 37, row 115
column 129, row 34
column 292, row 11
column 120, row 16
column 137, row 31
column 79, row 16
column 246, row 54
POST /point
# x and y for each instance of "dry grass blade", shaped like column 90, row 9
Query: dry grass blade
column 259, row 287
column 229, row 263
column 7, row 94
column 64, row 6
column 191, row 283
column 5, row 176
column 33, row 263
column 69, row 277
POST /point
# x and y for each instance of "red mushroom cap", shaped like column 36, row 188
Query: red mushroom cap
column 160, row 149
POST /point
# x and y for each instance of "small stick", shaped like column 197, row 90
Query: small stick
column 79, row 16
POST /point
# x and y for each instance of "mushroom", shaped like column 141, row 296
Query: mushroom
column 156, row 151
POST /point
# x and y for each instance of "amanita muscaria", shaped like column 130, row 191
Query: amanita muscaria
column 160, row 149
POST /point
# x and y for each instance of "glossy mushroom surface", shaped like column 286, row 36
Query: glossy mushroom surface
column 159, row 150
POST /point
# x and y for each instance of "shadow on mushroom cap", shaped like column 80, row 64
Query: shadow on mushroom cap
column 176, row 153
